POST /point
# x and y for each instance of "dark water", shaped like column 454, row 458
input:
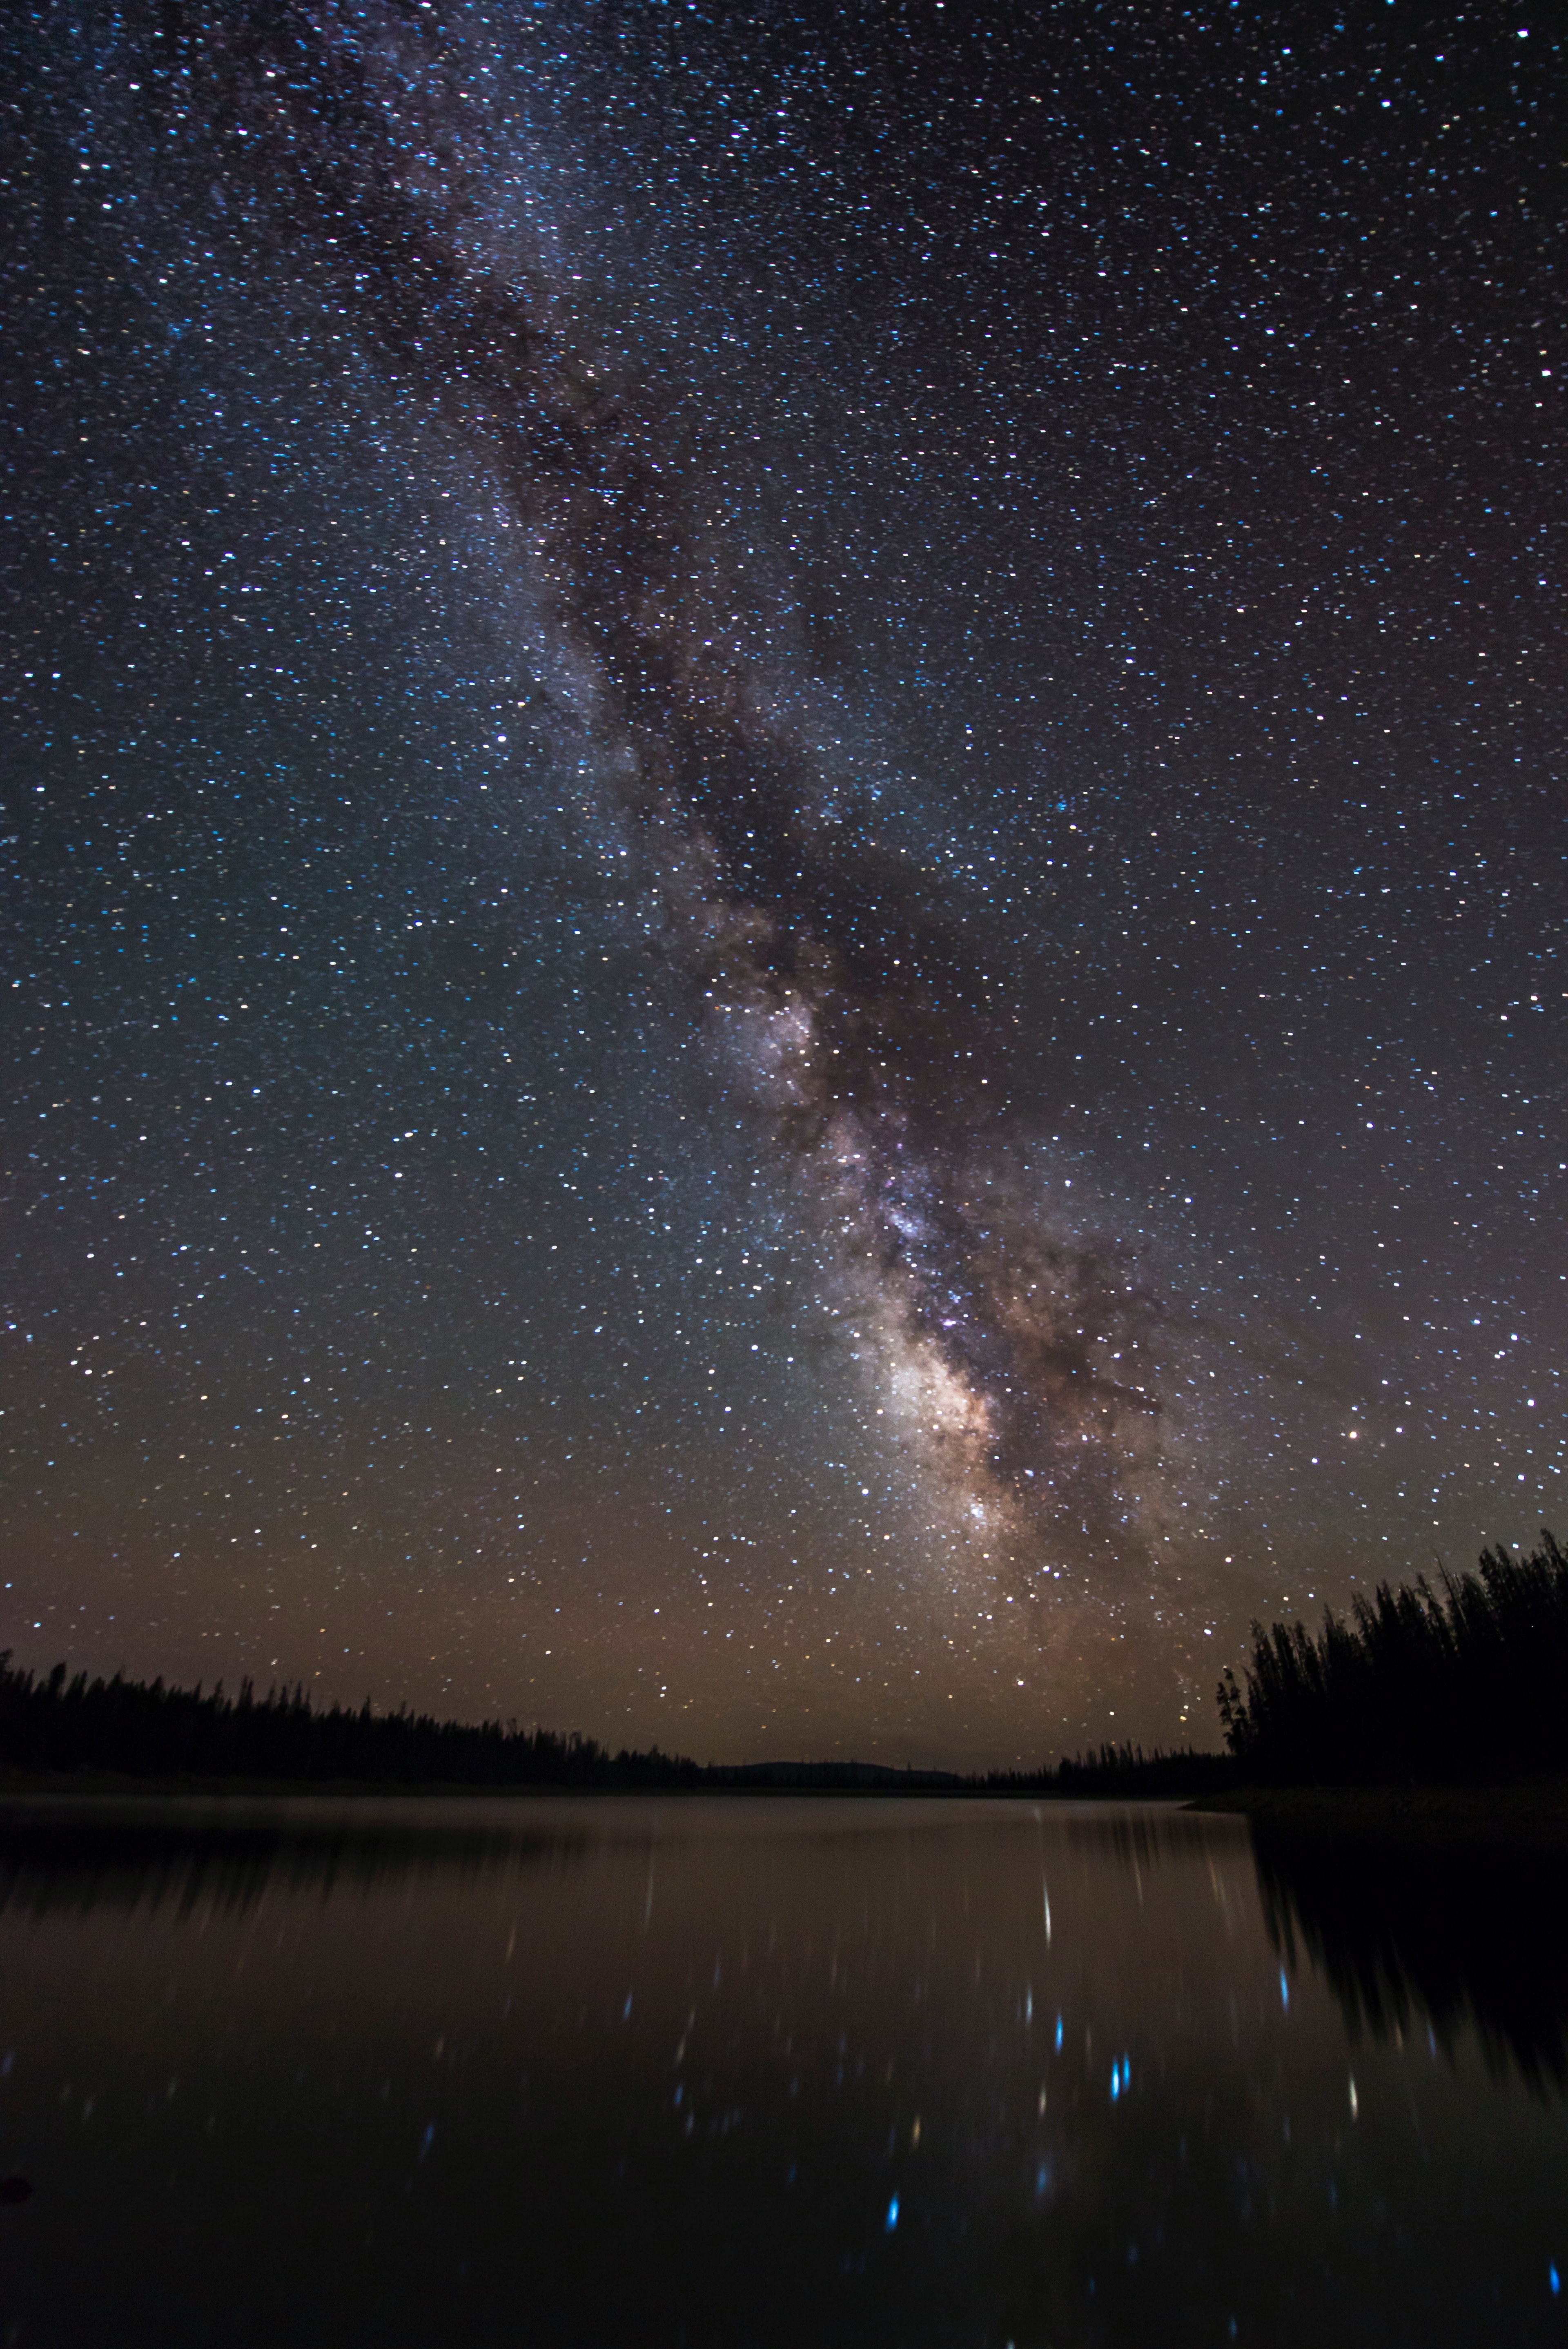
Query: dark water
column 753, row 2071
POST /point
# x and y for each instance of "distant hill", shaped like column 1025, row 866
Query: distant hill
column 828, row 1774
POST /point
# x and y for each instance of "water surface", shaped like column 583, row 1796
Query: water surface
column 753, row 2071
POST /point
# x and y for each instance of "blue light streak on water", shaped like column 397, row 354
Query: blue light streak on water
column 891, row 2222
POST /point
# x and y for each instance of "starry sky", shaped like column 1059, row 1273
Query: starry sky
column 784, row 838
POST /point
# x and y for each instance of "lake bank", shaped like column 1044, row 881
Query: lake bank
column 1532, row 1810
column 767, row 1783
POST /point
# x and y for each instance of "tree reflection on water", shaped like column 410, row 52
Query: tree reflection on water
column 1429, row 1931
column 157, row 1854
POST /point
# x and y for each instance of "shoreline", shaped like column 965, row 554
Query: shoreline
column 1532, row 1810
column 20, row 1786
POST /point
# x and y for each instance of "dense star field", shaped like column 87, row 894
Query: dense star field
column 787, row 801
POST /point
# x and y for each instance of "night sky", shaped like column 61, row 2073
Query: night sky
column 785, row 824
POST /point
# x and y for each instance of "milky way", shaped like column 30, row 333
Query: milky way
column 997, row 1330
column 873, row 694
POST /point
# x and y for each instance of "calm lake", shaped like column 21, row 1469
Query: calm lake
column 750, row 2071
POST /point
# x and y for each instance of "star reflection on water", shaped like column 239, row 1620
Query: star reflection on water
column 759, row 2070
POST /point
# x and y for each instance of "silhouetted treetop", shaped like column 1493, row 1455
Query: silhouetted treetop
column 1469, row 1679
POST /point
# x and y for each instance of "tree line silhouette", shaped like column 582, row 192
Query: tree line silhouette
column 1465, row 1680
column 53, row 1724
column 1120, row 1771
column 146, row 1730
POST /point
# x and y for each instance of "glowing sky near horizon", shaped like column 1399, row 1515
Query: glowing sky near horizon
column 787, row 816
